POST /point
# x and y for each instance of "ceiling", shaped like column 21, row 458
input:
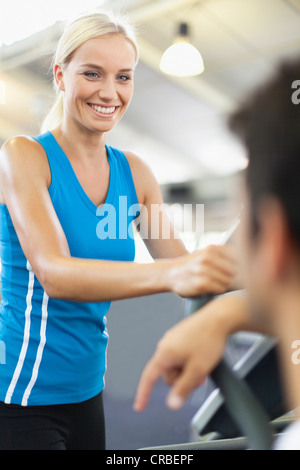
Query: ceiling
column 176, row 125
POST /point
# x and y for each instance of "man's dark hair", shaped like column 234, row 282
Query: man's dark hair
column 269, row 126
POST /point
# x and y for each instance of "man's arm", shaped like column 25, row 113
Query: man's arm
column 190, row 350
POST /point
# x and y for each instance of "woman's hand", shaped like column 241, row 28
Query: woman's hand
column 210, row 271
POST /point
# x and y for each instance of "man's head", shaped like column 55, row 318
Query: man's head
column 269, row 126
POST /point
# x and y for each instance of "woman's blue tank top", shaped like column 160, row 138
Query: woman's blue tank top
column 55, row 350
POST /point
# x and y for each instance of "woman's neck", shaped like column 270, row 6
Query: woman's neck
column 79, row 143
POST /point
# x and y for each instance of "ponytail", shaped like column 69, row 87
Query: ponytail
column 55, row 115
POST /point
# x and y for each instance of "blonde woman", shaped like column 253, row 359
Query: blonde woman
column 64, row 259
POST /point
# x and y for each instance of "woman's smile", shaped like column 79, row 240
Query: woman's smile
column 104, row 111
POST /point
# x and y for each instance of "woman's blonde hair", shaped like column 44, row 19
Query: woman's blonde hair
column 88, row 26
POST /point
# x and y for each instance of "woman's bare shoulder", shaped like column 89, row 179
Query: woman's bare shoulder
column 21, row 145
column 143, row 176
column 23, row 151
column 24, row 156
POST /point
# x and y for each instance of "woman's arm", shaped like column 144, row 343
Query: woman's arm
column 166, row 242
column 24, row 181
column 155, row 227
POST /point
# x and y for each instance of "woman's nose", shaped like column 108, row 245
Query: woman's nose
column 107, row 90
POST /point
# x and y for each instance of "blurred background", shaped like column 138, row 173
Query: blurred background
column 178, row 125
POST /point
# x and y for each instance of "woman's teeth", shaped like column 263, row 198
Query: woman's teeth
column 102, row 110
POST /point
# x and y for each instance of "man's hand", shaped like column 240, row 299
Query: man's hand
column 190, row 350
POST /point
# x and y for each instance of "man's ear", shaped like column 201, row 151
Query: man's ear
column 59, row 76
column 274, row 240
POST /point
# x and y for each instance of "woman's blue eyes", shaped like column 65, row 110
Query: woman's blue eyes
column 123, row 78
column 91, row 74
column 96, row 75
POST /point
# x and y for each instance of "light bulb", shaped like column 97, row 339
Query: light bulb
column 182, row 59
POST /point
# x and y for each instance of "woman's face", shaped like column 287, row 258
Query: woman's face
column 98, row 82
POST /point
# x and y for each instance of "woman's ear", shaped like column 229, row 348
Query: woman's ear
column 58, row 76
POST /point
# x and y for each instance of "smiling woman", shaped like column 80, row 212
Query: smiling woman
column 96, row 90
column 92, row 27
column 58, row 275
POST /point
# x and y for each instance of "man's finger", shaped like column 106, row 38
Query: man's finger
column 149, row 377
column 187, row 382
